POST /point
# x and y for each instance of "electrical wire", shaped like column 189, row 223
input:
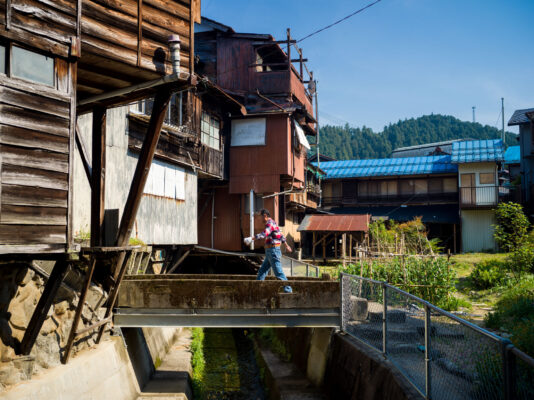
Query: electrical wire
column 339, row 21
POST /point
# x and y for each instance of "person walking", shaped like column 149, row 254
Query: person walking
column 273, row 256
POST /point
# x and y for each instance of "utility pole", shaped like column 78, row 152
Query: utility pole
column 317, row 142
column 502, row 113
column 474, row 114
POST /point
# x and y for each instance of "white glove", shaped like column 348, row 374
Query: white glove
column 247, row 240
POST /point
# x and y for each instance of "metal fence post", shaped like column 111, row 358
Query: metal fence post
column 509, row 372
column 428, row 354
column 385, row 319
column 291, row 266
column 341, row 287
column 307, row 270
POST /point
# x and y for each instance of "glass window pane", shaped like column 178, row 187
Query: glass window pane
column 487, row 178
column 32, row 66
column 2, row 60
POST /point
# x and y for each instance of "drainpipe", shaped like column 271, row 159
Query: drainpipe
column 212, row 219
column 251, row 214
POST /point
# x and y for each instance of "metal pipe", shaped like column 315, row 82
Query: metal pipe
column 384, row 319
column 509, row 370
column 174, row 48
column 212, row 219
column 251, row 214
column 428, row 355
column 341, row 288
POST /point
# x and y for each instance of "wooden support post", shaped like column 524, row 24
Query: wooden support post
column 344, row 248
column 43, row 306
column 335, row 247
column 350, row 248
column 289, row 49
column 324, row 248
column 140, row 30
column 98, row 176
column 123, row 262
column 313, row 246
column 84, row 155
column 79, row 309
column 454, row 238
column 161, row 103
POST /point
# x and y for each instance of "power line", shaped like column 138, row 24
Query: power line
column 339, row 21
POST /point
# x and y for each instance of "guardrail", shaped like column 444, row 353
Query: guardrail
column 299, row 268
column 443, row 356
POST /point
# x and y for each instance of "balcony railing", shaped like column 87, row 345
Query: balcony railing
column 482, row 196
column 449, row 197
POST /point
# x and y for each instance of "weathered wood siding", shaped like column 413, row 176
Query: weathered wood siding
column 34, row 163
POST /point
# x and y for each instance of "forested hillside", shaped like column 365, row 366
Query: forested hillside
column 346, row 143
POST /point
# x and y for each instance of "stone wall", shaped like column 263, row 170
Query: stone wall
column 20, row 290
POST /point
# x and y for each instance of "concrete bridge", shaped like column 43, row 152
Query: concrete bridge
column 226, row 301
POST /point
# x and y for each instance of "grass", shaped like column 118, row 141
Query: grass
column 464, row 263
column 198, row 362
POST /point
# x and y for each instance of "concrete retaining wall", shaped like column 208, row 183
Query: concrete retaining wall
column 104, row 372
column 100, row 373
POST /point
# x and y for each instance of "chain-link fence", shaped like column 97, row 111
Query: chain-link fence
column 443, row 356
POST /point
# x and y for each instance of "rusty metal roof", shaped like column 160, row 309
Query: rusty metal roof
column 335, row 223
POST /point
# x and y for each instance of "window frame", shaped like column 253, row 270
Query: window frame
column 9, row 60
column 211, row 130
column 485, row 174
column 5, row 59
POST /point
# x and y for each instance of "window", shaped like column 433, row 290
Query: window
column 174, row 112
column 435, row 185
column 421, row 186
column 2, row 59
column 209, row 129
column 32, row 66
column 258, row 203
column 450, row 185
column 406, row 187
column 487, row 178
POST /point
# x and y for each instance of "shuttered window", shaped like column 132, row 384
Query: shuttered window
column 2, row 59
column 32, row 66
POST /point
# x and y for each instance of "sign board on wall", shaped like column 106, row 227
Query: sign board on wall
column 248, row 132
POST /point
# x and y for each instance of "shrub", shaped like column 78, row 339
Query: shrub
column 428, row 278
column 514, row 313
column 511, row 231
column 488, row 274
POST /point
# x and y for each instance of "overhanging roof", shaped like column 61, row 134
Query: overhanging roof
column 471, row 151
column 520, row 117
column 438, row 213
column 335, row 223
column 512, row 155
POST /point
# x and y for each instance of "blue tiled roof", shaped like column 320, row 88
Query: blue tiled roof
column 389, row 167
column 512, row 155
column 470, row 151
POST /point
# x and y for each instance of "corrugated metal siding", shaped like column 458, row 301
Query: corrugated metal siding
column 477, row 230
column 260, row 167
column 388, row 167
column 469, row 151
column 227, row 233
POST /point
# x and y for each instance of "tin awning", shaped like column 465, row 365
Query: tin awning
column 335, row 223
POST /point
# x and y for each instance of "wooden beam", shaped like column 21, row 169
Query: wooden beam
column 98, row 176
column 139, row 31
column 191, row 39
column 8, row 15
column 177, row 263
column 82, row 150
column 313, row 246
column 43, row 306
column 159, row 110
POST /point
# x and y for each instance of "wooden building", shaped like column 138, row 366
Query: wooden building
column 267, row 148
column 60, row 59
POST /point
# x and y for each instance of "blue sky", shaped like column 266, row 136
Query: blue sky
column 404, row 58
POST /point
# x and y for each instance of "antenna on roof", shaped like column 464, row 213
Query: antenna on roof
column 474, row 108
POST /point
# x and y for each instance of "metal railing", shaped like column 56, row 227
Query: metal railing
column 294, row 267
column 480, row 196
column 443, row 356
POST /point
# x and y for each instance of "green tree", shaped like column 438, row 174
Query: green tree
column 511, row 231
